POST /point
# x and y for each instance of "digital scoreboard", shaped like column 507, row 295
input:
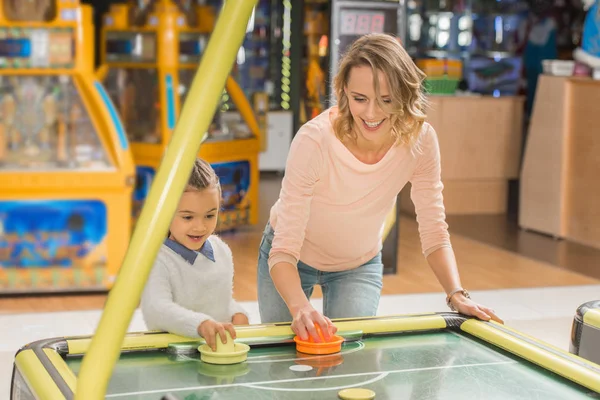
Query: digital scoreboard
column 351, row 19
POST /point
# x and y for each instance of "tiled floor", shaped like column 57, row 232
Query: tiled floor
column 545, row 313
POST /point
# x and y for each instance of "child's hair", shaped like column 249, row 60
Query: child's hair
column 384, row 53
column 203, row 176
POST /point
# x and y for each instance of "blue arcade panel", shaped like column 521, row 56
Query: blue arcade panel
column 39, row 240
column 143, row 182
column 235, row 181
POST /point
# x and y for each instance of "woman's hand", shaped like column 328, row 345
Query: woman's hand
column 287, row 281
column 239, row 319
column 468, row 307
column 305, row 319
column 209, row 329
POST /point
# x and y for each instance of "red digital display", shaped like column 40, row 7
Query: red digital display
column 361, row 22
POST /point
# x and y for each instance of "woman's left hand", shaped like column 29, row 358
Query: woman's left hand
column 468, row 307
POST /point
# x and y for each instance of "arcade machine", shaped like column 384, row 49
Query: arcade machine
column 327, row 30
column 66, row 171
column 351, row 19
column 150, row 53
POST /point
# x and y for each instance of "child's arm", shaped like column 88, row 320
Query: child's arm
column 161, row 312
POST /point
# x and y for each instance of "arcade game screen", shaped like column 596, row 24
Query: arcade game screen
column 45, row 126
column 227, row 124
column 216, row 130
column 191, row 46
column 134, row 91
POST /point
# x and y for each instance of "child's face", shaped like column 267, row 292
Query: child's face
column 196, row 217
column 372, row 122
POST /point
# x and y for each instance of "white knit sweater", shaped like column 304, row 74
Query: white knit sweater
column 185, row 288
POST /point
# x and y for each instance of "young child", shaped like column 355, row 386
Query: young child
column 190, row 289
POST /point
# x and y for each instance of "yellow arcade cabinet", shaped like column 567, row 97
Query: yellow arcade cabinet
column 150, row 52
column 66, row 169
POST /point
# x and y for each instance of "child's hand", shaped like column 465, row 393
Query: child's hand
column 239, row 319
column 209, row 329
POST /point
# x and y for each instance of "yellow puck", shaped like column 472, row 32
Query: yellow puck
column 356, row 394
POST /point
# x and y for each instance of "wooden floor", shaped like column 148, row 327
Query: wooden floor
column 503, row 232
column 482, row 267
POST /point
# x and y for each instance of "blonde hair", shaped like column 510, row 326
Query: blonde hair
column 383, row 53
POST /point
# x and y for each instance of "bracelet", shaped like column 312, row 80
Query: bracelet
column 452, row 293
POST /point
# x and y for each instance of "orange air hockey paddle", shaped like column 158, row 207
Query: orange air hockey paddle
column 333, row 345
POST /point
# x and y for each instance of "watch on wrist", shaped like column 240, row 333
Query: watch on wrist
column 452, row 293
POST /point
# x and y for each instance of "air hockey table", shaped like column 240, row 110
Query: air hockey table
column 424, row 356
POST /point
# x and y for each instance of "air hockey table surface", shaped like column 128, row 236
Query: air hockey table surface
column 424, row 356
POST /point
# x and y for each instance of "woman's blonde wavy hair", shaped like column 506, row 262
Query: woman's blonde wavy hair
column 383, row 53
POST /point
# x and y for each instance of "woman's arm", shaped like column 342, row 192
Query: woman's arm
column 302, row 173
column 443, row 263
column 426, row 194
column 287, row 281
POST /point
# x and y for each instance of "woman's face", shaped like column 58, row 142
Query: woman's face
column 372, row 123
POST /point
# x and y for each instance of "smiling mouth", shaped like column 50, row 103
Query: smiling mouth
column 195, row 238
column 373, row 124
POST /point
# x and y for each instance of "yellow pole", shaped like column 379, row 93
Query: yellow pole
column 160, row 206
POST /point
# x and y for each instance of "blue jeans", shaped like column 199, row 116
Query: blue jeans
column 346, row 294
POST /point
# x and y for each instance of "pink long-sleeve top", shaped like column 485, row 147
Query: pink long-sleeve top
column 332, row 207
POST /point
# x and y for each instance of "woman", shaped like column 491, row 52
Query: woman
column 344, row 170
